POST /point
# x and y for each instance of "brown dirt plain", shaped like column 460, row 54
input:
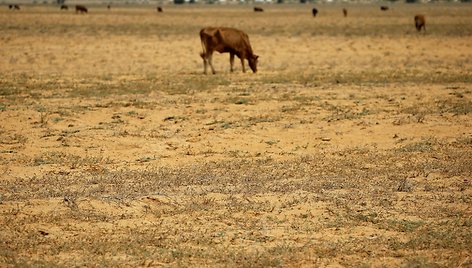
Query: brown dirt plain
column 352, row 145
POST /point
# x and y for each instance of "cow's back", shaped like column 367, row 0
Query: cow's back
column 233, row 37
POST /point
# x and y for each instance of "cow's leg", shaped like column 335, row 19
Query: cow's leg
column 231, row 61
column 203, row 55
column 242, row 64
column 205, row 65
column 209, row 59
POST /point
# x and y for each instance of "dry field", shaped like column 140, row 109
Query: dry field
column 352, row 145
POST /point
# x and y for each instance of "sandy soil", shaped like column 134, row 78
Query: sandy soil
column 352, row 145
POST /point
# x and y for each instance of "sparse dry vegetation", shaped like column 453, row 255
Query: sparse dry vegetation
column 351, row 146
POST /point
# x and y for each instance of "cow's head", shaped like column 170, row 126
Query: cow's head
column 253, row 62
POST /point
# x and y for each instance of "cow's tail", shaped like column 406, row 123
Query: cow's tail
column 202, row 38
column 203, row 53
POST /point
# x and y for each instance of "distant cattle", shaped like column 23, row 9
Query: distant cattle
column 384, row 8
column 108, row 7
column 233, row 41
column 420, row 22
column 14, row 7
column 345, row 12
column 64, row 7
column 314, row 11
column 81, row 9
column 159, row 9
column 258, row 9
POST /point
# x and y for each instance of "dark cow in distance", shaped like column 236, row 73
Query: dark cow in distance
column 64, row 7
column 258, row 9
column 226, row 40
column 314, row 11
column 345, row 12
column 384, row 8
column 81, row 9
column 14, row 7
column 420, row 22
column 159, row 9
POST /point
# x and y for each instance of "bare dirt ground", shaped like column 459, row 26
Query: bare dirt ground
column 352, row 145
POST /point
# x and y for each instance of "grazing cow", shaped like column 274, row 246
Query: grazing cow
column 64, row 7
column 159, row 9
column 233, row 41
column 384, row 8
column 258, row 9
column 314, row 11
column 81, row 9
column 345, row 12
column 14, row 7
column 420, row 22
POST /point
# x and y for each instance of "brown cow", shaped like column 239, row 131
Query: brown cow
column 14, row 7
column 64, row 7
column 345, row 12
column 258, row 9
column 81, row 9
column 159, row 9
column 314, row 11
column 420, row 22
column 233, row 41
column 384, row 8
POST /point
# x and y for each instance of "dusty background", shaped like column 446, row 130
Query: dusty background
column 352, row 145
